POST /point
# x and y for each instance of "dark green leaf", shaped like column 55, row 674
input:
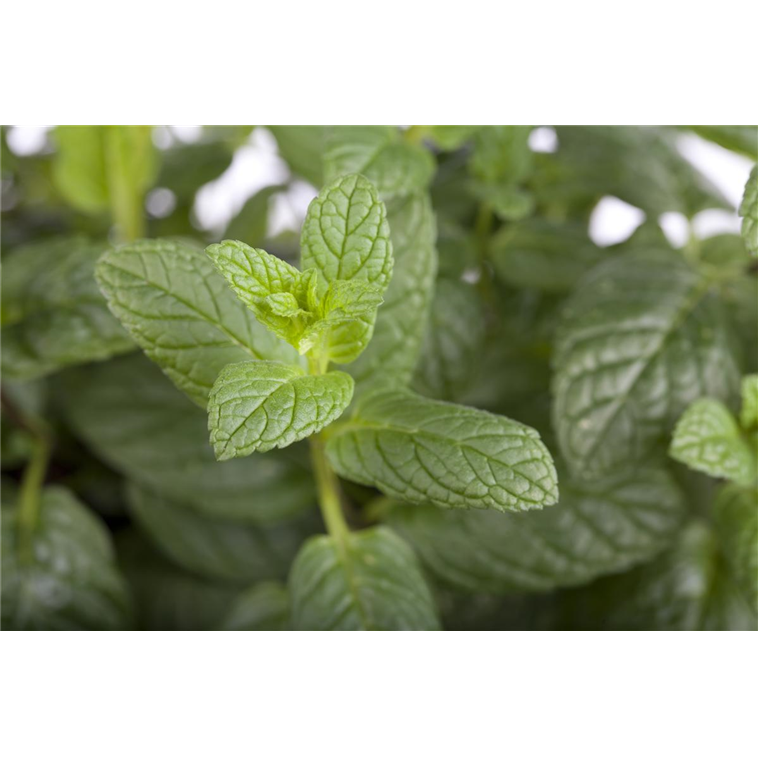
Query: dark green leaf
column 265, row 607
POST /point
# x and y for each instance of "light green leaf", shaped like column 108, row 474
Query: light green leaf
column 180, row 311
column 264, row 607
column 708, row 439
column 68, row 579
column 422, row 451
column 252, row 274
column 543, row 254
column 396, row 168
column 749, row 212
column 401, row 322
column 214, row 547
column 131, row 417
column 371, row 582
column 263, row 405
column 641, row 338
column 749, row 411
column 686, row 589
column 52, row 311
column 346, row 234
column 736, row 520
column 453, row 341
column 598, row 528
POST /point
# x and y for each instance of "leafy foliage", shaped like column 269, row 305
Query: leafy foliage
column 502, row 424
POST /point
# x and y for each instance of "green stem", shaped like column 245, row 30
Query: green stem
column 126, row 202
column 328, row 492
column 328, row 486
column 29, row 498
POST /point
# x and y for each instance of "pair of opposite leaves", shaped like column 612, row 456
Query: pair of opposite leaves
column 411, row 448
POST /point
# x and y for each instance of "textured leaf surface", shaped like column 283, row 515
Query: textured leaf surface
column 423, row 451
column 749, row 212
column 262, row 405
column 214, row 547
column 707, row 438
column 597, row 528
column 686, row 589
column 371, row 583
column 252, row 273
column 182, row 314
column 346, row 234
column 736, row 520
column 641, row 338
column 265, row 607
column 453, row 341
column 133, row 418
column 52, row 311
column 401, row 322
column 543, row 254
column 68, row 579
column 394, row 167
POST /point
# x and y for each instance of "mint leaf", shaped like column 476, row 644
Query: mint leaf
column 543, row 254
column 596, row 528
column 749, row 411
column 686, row 589
column 68, row 581
column 422, row 451
column 53, row 314
column 263, row 405
column 453, row 341
column 371, row 582
column 252, row 274
column 396, row 168
column 214, row 547
column 401, row 322
column 346, row 320
column 749, row 212
column 264, row 607
column 708, row 439
column 736, row 520
column 180, row 311
column 641, row 338
column 131, row 417
column 346, row 234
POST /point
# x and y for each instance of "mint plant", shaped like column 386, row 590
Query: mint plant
column 437, row 404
